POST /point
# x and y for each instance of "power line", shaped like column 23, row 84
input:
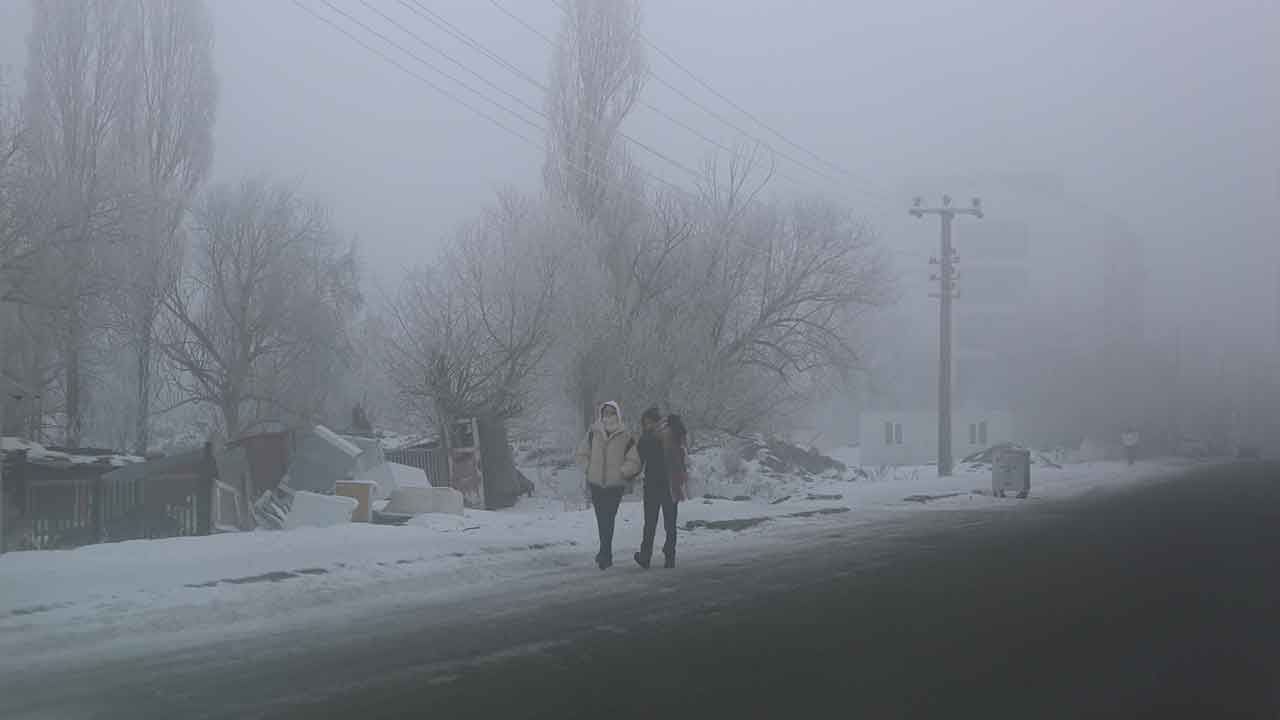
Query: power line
column 638, row 143
column 862, row 186
column 478, row 111
column 520, row 101
column 643, row 102
column 482, row 113
column 718, row 116
column 527, row 26
column 706, row 85
column 428, row 64
column 435, row 18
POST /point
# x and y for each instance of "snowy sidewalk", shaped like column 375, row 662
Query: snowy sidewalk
column 181, row 589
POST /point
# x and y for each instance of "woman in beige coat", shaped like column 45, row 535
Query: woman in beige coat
column 608, row 455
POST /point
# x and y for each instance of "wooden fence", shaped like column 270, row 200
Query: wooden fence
column 80, row 509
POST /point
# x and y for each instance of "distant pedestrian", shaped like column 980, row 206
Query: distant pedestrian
column 1130, row 440
column 662, row 455
column 609, row 457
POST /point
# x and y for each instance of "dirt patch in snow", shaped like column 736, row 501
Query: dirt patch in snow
column 740, row 524
column 819, row 511
column 274, row 576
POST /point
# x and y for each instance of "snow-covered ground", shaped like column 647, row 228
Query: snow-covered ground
column 60, row 604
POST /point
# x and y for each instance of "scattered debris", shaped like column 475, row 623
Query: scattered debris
column 783, row 458
column 815, row 496
column 735, row 498
column 311, row 509
column 982, row 459
column 929, row 498
column 781, row 500
column 744, row 523
column 1047, row 461
column 734, row 525
column 819, row 511
column 985, row 456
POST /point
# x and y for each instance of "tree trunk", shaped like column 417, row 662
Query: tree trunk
column 74, row 411
column 231, row 420
column 502, row 485
column 142, row 433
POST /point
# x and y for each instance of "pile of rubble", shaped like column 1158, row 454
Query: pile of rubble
column 782, row 458
column 315, row 477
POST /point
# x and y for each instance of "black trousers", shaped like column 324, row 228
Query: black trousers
column 655, row 500
column 605, row 501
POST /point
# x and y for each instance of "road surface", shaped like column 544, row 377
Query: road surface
column 1140, row 603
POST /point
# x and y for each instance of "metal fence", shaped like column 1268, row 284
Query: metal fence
column 432, row 461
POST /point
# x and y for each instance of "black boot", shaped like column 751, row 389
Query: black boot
column 671, row 560
column 642, row 560
column 603, row 561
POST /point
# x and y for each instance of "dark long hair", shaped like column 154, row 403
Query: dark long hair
column 679, row 433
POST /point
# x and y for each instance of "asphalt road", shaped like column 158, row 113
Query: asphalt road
column 1147, row 603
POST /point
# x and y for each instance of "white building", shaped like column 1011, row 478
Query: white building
column 911, row 437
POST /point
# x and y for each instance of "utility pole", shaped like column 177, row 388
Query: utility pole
column 946, row 294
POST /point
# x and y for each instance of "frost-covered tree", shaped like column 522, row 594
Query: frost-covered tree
column 76, row 96
column 166, row 134
column 258, row 319
column 598, row 70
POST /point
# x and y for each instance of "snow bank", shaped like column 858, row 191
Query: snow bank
column 315, row 510
column 129, row 591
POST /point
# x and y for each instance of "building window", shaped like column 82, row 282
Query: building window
column 973, row 434
column 888, row 433
column 897, row 433
column 982, row 432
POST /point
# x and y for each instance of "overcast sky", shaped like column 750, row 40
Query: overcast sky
column 1165, row 113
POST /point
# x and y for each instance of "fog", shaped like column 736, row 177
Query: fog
column 1142, row 116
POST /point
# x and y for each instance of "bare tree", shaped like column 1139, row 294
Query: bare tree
column 267, row 291
column 26, row 351
column 468, row 333
column 75, row 96
column 166, row 134
column 17, row 216
column 778, row 307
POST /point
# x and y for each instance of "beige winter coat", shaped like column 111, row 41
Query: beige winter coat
column 611, row 461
